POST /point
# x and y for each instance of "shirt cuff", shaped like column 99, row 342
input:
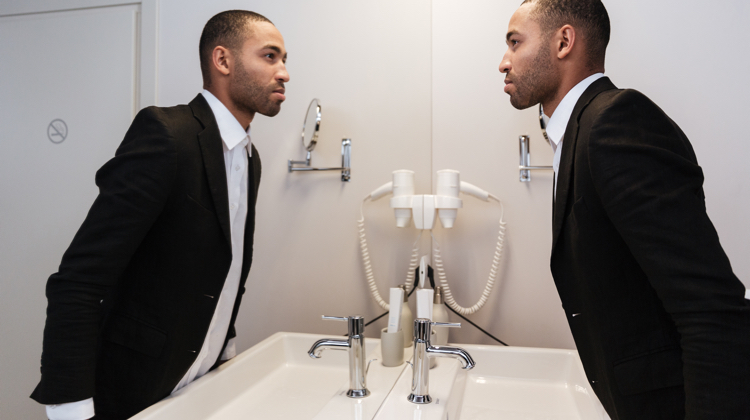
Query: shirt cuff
column 79, row 410
column 229, row 352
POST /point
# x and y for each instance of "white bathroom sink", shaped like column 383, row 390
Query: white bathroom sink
column 276, row 379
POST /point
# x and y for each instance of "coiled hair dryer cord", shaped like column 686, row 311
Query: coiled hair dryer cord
column 448, row 296
column 369, row 274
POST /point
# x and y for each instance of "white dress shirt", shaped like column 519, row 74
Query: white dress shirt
column 557, row 123
column 237, row 149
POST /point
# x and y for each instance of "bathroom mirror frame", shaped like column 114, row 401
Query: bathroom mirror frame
column 311, row 124
column 311, row 127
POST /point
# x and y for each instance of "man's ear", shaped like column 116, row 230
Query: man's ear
column 565, row 41
column 221, row 60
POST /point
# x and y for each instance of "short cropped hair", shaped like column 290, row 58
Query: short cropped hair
column 228, row 29
column 588, row 17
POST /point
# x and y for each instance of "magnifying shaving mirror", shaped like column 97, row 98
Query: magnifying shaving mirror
column 311, row 125
column 310, row 129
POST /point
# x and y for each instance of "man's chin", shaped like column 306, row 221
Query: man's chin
column 271, row 111
column 517, row 104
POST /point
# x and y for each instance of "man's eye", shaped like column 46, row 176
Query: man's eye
column 270, row 55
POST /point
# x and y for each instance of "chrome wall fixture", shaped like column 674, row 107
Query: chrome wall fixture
column 310, row 128
column 355, row 344
column 423, row 351
column 346, row 156
column 525, row 167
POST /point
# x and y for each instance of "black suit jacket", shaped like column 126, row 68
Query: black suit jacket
column 659, row 318
column 131, row 304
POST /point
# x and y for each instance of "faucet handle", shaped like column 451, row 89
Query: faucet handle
column 356, row 323
column 446, row 324
column 423, row 328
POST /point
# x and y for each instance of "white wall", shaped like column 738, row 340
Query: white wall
column 415, row 85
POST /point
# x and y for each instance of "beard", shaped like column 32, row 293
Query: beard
column 538, row 84
column 249, row 94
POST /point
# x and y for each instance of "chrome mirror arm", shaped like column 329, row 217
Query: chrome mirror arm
column 345, row 168
column 310, row 129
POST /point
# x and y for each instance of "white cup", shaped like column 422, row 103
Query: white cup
column 392, row 347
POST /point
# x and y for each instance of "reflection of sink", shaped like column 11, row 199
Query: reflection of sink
column 276, row 379
column 528, row 383
column 507, row 383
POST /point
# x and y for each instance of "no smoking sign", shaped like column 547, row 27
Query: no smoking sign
column 57, row 131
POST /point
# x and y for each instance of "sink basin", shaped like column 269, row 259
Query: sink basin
column 276, row 379
column 380, row 380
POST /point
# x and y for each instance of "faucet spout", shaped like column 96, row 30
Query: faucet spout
column 320, row 345
column 423, row 350
column 454, row 352
column 355, row 344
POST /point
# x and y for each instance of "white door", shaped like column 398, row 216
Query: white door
column 68, row 92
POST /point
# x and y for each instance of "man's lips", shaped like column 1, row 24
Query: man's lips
column 507, row 85
column 280, row 93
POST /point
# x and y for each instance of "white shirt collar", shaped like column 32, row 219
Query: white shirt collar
column 232, row 133
column 557, row 124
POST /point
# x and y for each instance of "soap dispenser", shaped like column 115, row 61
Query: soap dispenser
column 407, row 319
column 439, row 314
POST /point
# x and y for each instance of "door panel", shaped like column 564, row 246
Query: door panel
column 68, row 91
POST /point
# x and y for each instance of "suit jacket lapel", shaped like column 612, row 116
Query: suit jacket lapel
column 254, row 178
column 213, row 161
column 568, row 152
column 252, row 196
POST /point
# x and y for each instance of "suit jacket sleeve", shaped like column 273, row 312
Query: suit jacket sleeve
column 133, row 188
column 649, row 182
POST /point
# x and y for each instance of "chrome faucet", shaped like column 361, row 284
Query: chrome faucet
column 355, row 344
column 420, row 382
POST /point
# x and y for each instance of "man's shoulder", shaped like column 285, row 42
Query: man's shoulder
column 171, row 121
column 623, row 107
column 165, row 114
column 169, row 125
column 629, row 116
column 622, row 100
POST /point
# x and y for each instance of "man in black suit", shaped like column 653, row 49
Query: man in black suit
column 659, row 318
column 147, row 294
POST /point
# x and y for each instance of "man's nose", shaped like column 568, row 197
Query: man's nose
column 282, row 75
column 505, row 64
